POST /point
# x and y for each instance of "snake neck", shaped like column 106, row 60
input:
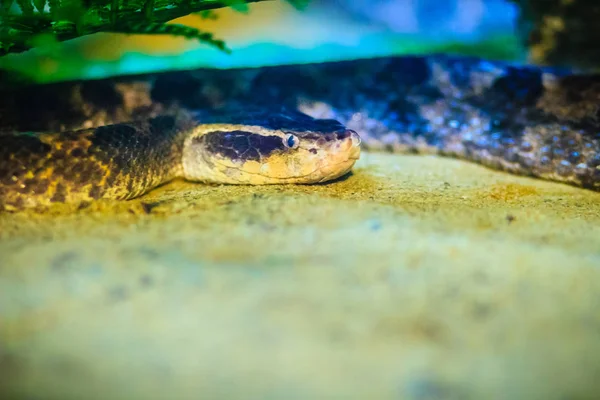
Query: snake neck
column 118, row 161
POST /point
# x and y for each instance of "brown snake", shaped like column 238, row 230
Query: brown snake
column 120, row 137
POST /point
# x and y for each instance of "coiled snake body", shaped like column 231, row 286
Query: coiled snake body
column 118, row 138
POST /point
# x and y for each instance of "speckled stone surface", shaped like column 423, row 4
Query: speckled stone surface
column 414, row 278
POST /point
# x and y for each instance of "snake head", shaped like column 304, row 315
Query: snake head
column 268, row 147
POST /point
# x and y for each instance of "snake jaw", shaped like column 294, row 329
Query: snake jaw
column 348, row 155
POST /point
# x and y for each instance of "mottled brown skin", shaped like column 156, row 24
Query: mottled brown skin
column 121, row 162
column 523, row 119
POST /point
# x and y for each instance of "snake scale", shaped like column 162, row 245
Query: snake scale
column 120, row 137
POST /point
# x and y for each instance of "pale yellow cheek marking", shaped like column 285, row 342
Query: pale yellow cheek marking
column 264, row 169
column 226, row 170
column 252, row 167
column 277, row 168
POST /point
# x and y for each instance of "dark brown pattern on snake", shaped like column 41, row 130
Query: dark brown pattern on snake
column 121, row 161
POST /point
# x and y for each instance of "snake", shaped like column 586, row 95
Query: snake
column 119, row 137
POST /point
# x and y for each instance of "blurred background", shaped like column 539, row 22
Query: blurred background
column 274, row 32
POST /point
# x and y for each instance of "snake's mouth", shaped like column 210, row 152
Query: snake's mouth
column 342, row 159
column 257, row 156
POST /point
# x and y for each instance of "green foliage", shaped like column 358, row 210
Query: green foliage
column 31, row 23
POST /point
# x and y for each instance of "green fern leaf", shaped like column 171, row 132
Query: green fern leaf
column 39, row 5
column 25, row 6
column 5, row 6
column 69, row 19
column 156, row 28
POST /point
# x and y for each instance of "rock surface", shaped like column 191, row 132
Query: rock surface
column 414, row 278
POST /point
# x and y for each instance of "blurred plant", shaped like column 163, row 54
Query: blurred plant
column 25, row 24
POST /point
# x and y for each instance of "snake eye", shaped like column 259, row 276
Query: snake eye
column 291, row 141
